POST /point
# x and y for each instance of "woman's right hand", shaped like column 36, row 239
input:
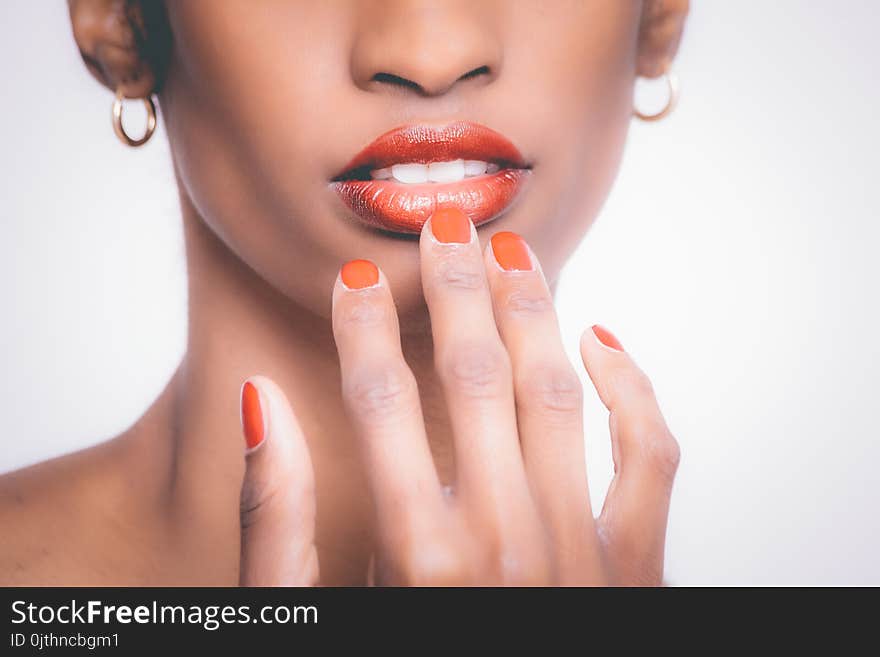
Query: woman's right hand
column 519, row 512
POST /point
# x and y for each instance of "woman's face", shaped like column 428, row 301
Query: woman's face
column 267, row 103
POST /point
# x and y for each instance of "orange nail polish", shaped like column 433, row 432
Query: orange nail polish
column 451, row 225
column 606, row 337
column 359, row 273
column 251, row 415
column 511, row 252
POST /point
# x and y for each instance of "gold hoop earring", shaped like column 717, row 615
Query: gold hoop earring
column 673, row 86
column 117, row 120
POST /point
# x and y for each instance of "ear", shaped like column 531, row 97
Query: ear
column 124, row 43
column 659, row 35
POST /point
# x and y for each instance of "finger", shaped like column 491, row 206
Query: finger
column 278, row 492
column 549, row 399
column 382, row 399
column 472, row 363
column 645, row 453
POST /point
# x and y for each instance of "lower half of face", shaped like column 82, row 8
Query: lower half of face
column 515, row 111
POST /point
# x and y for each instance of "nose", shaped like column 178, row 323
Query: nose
column 427, row 47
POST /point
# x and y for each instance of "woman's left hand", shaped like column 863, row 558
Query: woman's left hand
column 520, row 512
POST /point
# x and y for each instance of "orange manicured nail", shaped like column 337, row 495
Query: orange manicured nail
column 251, row 415
column 607, row 338
column 451, row 225
column 511, row 252
column 359, row 273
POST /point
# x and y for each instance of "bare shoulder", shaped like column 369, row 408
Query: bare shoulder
column 116, row 514
column 82, row 518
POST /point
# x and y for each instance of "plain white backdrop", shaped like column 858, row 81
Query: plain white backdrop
column 736, row 259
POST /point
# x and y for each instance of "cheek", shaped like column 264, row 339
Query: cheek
column 247, row 105
column 579, row 102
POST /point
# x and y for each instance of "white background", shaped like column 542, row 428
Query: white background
column 736, row 259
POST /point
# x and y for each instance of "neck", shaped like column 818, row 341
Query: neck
column 239, row 325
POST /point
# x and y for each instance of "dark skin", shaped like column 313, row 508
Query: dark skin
column 259, row 110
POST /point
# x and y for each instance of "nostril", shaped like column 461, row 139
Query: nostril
column 390, row 78
column 480, row 70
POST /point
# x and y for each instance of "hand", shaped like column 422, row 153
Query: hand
column 520, row 513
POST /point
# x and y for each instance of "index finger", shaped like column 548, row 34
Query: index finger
column 382, row 400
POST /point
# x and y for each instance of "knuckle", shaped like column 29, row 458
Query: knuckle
column 630, row 381
column 250, row 509
column 519, row 564
column 655, row 446
column 516, row 551
column 366, row 310
column 460, row 273
column 520, row 302
column 664, row 453
column 516, row 569
column 377, row 393
column 641, row 423
column 432, row 563
column 552, row 391
column 477, row 370
column 280, row 492
column 254, row 502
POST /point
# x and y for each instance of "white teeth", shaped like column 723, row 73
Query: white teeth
column 410, row 173
column 437, row 172
column 474, row 167
column 446, row 171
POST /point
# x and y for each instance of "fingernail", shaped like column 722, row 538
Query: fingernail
column 511, row 252
column 357, row 274
column 451, row 225
column 251, row 415
column 606, row 337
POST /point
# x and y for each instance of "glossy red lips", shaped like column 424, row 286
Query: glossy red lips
column 404, row 208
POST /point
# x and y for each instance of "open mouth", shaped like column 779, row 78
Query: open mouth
column 403, row 176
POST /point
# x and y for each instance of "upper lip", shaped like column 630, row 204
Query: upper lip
column 427, row 143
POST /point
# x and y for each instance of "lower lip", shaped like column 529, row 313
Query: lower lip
column 404, row 208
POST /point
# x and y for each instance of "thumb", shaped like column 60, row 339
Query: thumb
column 278, row 492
